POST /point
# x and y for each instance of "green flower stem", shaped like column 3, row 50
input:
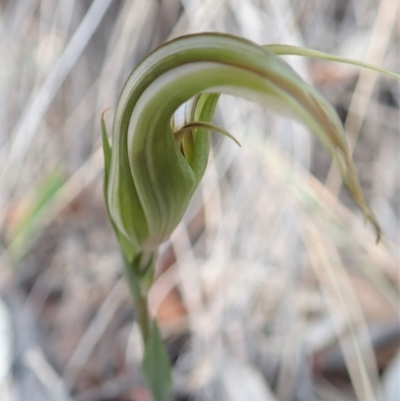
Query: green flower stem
column 156, row 367
column 139, row 275
column 143, row 317
column 141, row 306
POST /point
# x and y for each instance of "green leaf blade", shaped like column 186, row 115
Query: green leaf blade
column 156, row 366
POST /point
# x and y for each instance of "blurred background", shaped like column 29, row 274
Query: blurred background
column 272, row 288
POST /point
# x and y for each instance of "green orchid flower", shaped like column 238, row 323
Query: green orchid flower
column 153, row 172
column 161, row 142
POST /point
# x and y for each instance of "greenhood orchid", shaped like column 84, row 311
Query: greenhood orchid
column 153, row 172
column 161, row 142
